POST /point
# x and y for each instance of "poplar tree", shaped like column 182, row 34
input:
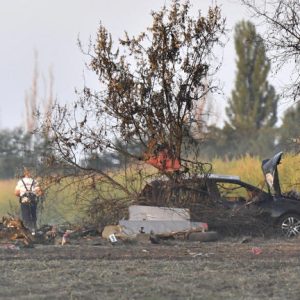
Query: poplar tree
column 280, row 24
column 252, row 109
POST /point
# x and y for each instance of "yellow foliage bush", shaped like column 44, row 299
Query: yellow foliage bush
column 249, row 169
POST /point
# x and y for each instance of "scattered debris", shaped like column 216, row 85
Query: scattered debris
column 142, row 237
column 108, row 230
column 112, row 238
column 65, row 237
column 256, row 250
column 196, row 254
column 193, row 254
column 9, row 246
column 154, row 239
column 129, row 227
column 245, row 239
column 51, row 234
column 209, row 236
column 146, row 224
column 13, row 229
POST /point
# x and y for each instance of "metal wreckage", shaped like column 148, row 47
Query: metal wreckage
column 225, row 204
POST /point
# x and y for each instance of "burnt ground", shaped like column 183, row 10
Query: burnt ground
column 95, row 269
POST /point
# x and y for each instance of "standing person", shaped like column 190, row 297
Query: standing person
column 28, row 191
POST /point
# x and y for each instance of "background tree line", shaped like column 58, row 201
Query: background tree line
column 142, row 98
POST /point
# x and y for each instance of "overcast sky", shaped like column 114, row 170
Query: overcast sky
column 50, row 28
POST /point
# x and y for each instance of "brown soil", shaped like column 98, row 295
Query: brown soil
column 95, row 269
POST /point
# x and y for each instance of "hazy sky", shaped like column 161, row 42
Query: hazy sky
column 51, row 28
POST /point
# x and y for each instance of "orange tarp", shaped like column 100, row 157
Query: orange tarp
column 164, row 162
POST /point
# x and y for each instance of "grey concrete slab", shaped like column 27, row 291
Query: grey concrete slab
column 142, row 212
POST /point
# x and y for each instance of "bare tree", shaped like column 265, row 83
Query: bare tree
column 148, row 84
column 281, row 21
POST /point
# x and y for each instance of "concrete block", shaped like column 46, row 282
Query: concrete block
column 154, row 213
